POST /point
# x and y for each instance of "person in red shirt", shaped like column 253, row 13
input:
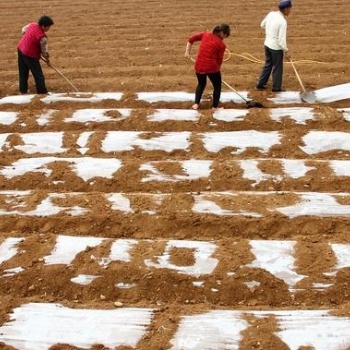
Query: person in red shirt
column 209, row 60
column 32, row 46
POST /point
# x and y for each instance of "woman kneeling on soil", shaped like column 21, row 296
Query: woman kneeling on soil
column 209, row 60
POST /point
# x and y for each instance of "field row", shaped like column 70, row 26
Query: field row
column 216, row 329
column 185, row 144
column 232, row 263
column 89, row 174
column 158, row 119
column 324, row 95
column 229, row 203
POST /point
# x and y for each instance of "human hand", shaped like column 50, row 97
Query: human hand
column 287, row 56
column 46, row 60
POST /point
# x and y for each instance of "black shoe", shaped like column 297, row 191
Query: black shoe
column 260, row 88
column 278, row 90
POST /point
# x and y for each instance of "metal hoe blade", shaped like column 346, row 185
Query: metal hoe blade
column 308, row 97
column 254, row 104
column 249, row 103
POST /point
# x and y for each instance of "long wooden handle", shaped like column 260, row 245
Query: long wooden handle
column 68, row 81
column 234, row 90
column 61, row 74
column 297, row 75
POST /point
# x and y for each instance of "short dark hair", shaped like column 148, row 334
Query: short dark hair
column 45, row 21
column 224, row 28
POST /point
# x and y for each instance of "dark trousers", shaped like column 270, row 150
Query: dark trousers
column 215, row 79
column 274, row 64
column 28, row 64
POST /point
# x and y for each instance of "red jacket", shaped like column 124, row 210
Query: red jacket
column 210, row 54
column 29, row 45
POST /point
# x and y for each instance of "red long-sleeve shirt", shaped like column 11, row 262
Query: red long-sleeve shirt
column 210, row 53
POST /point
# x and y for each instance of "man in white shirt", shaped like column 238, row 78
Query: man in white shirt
column 275, row 25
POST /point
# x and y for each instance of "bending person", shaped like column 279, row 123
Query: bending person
column 208, row 61
column 31, row 47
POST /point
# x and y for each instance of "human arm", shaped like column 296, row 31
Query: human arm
column 263, row 22
column 188, row 50
column 24, row 29
column 193, row 38
column 220, row 55
column 44, row 47
column 282, row 39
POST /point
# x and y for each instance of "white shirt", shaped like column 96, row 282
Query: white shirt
column 275, row 25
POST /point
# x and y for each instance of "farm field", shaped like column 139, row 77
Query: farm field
column 130, row 221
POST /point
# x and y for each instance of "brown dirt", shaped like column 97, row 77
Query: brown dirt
column 138, row 46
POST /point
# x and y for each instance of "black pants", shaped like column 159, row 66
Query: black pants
column 215, row 79
column 26, row 64
column 274, row 64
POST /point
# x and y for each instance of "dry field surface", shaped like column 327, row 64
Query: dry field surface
column 176, row 229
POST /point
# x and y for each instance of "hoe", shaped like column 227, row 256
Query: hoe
column 308, row 97
column 249, row 103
